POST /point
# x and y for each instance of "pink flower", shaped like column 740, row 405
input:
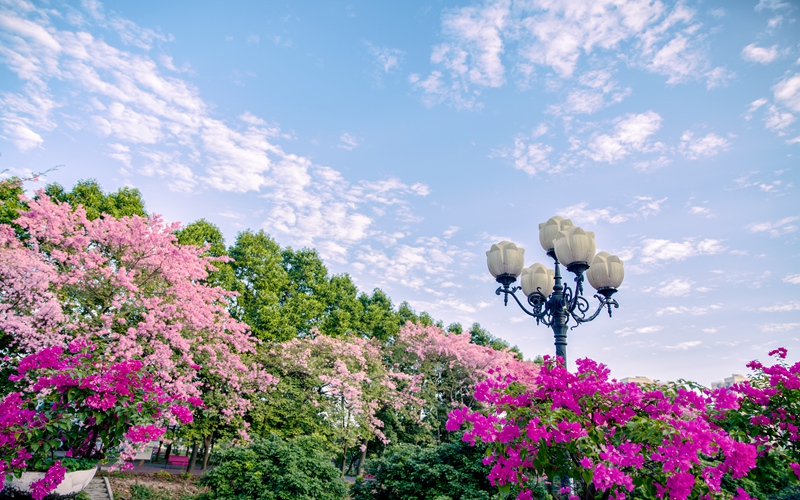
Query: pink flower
column 796, row 469
column 780, row 352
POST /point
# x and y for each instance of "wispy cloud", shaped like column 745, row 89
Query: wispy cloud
column 683, row 346
column 657, row 251
column 694, row 311
column 775, row 228
column 793, row 279
column 676, row 287
column 763, row 55
column 625, row 332
column 702, row 147
column 785, row 307
column 348, row 141
column 641, row 207
column 631, row 134
column 778, row 327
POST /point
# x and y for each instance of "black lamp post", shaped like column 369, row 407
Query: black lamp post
column 551, row 301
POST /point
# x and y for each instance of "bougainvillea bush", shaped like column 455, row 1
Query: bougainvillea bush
column 116, row 302
column 600, row 438
column 75, row 407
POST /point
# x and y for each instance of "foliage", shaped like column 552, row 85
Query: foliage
column 449, row 471
column 88, row 194
column 609, row 437
column 342, row 383
column 10, row 203
column 275, row 469
column 143, row 492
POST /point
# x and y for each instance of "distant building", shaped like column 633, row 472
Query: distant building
column 736, row 378
column 638, row 380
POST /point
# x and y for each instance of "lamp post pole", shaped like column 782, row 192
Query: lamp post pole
column 550, row 300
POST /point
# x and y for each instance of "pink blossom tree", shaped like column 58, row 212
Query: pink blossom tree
column 125, row 286
column 447, row 368
column 347, row 385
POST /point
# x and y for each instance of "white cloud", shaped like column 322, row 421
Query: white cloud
column 793, row 279
column 597, row 91
column 451, row 231
column 775, row 228
column 709, row 145
column 673, row 288
column 785, row 307
column 157, row 124
column 655, row 251
column 754, row 53
column 754, row 106
column 532, row 158
column 778, row 327
column 778, row 120
column 631, row 134
column 640, row 208
column 386, row 60
column 718, row 77
column 772, row 5
column 683, row 346
column 787, row 92
column 702, row 211
column 556, row 35
column 348, row 141
column 678, row 59
column 253, row 39
column 695, row 311
column 624, row 332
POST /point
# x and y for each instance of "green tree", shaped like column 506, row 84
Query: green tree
column 481, row 336
column 261, row 281
column 10, row 204
column 202, row 233
column 123, row 202
column 275, row 469
column 379, row 319
column 449, row 471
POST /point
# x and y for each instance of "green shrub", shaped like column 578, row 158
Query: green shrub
column 274, row 469
column 450, row 471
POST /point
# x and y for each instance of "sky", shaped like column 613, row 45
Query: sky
column 402, row 139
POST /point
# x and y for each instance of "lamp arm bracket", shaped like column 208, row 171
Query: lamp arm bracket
column 512, row 291
column 604, row 302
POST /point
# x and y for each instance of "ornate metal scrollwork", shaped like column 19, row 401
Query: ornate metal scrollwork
column 563, row 303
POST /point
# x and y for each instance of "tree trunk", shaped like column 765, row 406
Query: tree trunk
column 360, row 471
column 158, row 451
column 167, row 452
column 193, row 458
column 344, row 457
column 207, row 450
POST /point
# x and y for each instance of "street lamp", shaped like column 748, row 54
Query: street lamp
column 552, row 302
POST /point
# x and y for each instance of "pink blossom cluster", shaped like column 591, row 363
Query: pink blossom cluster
column 126, row 285
column 769, row 408
column 75, row 401
column 615, row 437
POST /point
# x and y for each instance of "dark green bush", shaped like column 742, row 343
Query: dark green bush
column 450, row 471
column 275, row 469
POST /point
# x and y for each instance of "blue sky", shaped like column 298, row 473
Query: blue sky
column 402, row 139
